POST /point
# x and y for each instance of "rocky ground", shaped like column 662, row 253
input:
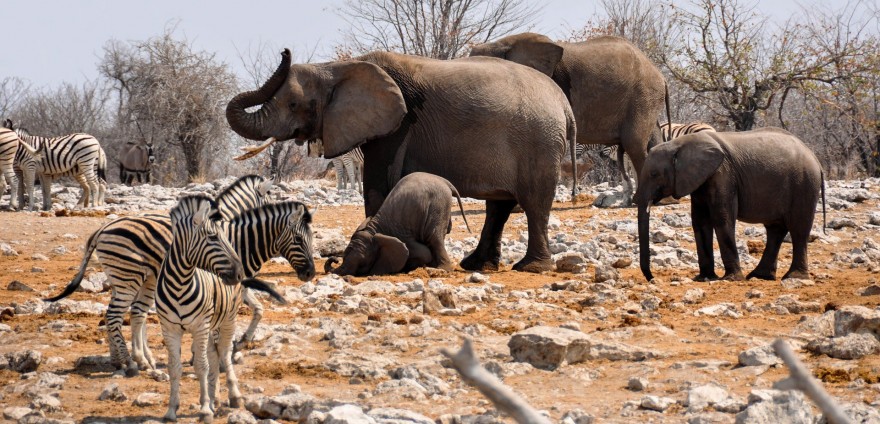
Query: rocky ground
column 590, row 342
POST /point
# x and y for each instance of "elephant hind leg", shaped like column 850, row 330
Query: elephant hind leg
column 441, row 256
column 766, row 269
column 419, row 255
column 537, row 259
column 799, row 239
column 487, row 255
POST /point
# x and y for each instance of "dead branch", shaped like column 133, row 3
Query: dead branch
column 803, row 381
column 468, row 365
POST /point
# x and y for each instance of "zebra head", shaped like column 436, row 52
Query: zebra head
column 295, row 242
column 199, row 239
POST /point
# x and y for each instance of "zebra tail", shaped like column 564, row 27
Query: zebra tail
column 77, row 280
column 822, row 174
column 460, row 206
column 668, row 113
column 255, row 283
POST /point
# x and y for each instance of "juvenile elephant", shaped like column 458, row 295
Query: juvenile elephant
column 406, row 233
column 616, row 92
column 766, row 176
column 496, row 130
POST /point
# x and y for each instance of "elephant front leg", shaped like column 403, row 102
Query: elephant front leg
column 725, row 229
column 766, row 269
column 487, row 255
column 703, row 234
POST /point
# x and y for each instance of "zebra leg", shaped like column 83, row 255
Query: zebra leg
column 213, row 368
column 46, row 183
column 94, row 187
column 200, row 363
column 13, row 187
column 143, row 356
column 26, row 185
column 340, row 173
column 120, row 300
column 84, row 185
column 350, row 171
column 173, row 335
column 257, row 308
column 224, row 347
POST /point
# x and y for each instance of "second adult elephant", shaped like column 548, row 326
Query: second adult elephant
column 496, row 130
column 615, row 91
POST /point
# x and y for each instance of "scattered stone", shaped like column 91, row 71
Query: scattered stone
column 874, row 218
column 7, row 250
column 704, row 396
column 574, row 263
column 850, row 346
column 398, row 416
column 348, row 414
column 796, row 283
column 577, row 416
column 693, row 296
column 59, row 250
column 621, row 263
column 24, row 361
column 46, row 402
column 727, row 310
column 15, row 413
column 841, row 222
column 430, row 302
column 550, row 347
column 858, row 413
column 754, row 294
column 291, row 407
column 760, row 355
column 790, row 303
column 656, row 403
column 872, row 290
column 776, row 406
column 476, row 277
column 605, row 273
column 637, row 384
column 16, row 285
column 112, row 392
column 239, row 416
column 147, row 399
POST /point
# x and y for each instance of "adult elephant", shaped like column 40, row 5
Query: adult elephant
column 496, row 130
column 615, row 91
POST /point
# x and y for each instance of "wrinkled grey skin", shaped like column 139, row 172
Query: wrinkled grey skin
column 765, row 176
column 406, row 233
column 137, row 162
column 496, row 130
column 616, row 92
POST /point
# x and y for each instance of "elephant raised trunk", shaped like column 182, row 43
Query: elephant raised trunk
column 251, row 124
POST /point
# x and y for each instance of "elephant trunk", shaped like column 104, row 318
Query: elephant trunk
column 328, row 266
column 250, row 124
column 342, row 269
column 644, row 241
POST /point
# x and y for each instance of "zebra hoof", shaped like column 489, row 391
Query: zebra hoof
column 235, row 402
column 132, row 372
column 206, row 417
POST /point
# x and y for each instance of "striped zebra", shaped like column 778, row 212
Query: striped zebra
column 8, row 148
column 76, row 155
column 674, row 130
column 27, row 166
column 190, row 299
column 349, row 166
column 131, row 249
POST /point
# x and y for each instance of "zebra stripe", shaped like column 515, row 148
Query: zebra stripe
column 131, row 249
column 349, row 169
column 674, row 130
column 247, row 192
column 76, row 155
column 8, row 148
column 192, row 300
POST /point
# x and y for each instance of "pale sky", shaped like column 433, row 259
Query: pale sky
column 49, row 41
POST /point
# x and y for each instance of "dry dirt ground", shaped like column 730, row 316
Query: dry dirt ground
column 699, row 349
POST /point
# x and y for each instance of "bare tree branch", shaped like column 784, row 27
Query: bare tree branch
column 805, row 382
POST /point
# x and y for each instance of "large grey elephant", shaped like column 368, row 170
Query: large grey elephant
column 496, row 130
column 766, row 176
column 407, row 232
column 615, row 91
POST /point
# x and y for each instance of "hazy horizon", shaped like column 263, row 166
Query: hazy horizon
column 51, row 42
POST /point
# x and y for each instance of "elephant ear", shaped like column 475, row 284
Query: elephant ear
column 540, row 54
column 365, row 103
column 694, row 162
column 391, row 257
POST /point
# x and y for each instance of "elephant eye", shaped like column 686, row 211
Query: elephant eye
column 293, row 105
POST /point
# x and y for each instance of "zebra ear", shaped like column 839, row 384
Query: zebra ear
column 264, row 188
column 202, row 214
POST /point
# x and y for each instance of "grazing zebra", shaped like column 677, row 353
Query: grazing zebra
column 190, row 299
column 76, row 155
column 673, row 130
column 131, row 249
column 137, row 162
column 349, row 166
column 8, row 147
column 27, row 167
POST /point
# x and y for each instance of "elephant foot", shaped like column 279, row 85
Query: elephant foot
column 799, row 274
column 761, row 275
column 533, row 265
column 733, row 276
column 474, row 263
column 701, row 277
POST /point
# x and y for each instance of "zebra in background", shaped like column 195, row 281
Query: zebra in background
column 673, row 130
column 349, row 166
column 191, row 300
column 8, row 148
column 131, row 249
column 76, row 155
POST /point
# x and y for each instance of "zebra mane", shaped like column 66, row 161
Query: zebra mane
column 188, row 205
column 242, row 194
column 281, row 207
column 247, row 181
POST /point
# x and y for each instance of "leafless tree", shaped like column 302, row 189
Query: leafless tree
column 64, row 110
column 180, row 93
column 12, row 91
column 440, row 29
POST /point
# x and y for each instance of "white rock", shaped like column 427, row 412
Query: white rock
column 720, row 310
column 759, row 355
column 850, row 346
column 348, row 414
column 775, row 406
column 703, row 396
column 637, row 384
column 147, row 399
column 656, row 403
column 7, row 250
column 476, row 277
column 693, row 296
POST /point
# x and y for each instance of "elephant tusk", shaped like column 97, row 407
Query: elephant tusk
column 251, row 151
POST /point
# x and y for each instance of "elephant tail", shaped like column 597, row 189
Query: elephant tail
column 668, row 113
column 570, row 135
column 822, row 174
column 460, row 206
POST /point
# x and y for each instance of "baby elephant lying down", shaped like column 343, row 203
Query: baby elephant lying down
column 406, row 233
